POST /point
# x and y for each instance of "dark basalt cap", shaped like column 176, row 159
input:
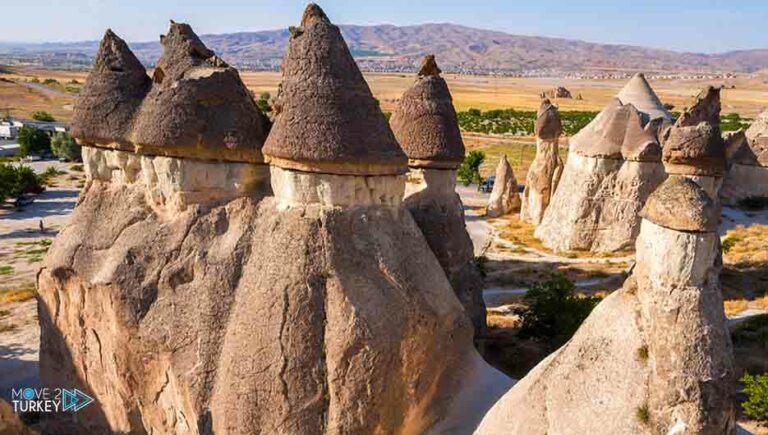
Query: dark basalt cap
column 425, row 121
column 112, row 94
column 619, row 132
column 548, row 125
column 326, row 119
column 680, row 204
column 198, row 106
column 694, row 146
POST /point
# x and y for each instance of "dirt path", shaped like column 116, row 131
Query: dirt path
column 22, row 247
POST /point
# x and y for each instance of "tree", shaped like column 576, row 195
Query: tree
column 554, row 311
column 64, row 146
column 41, row 115
column 469, row 171
column 33, row 141
column 263, row 103
column 16, row 181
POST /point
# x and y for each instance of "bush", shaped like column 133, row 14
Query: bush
column 554, row 311
column 16, row 181
column 40, row 115
column 469, row 171
column 64, row 146
column 50, row 173
column 263, row 103
column 33, row 141
column 756, row 389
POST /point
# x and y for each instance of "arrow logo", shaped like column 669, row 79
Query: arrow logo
column 74, row 399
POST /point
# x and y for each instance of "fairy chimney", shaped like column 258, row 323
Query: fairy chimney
column 694, row 147
column 504, row 197
column 135, row 291
column 747, row 174
column 425, row 125
column 653, row 357
column 613, row 164
column 359, row 303
column 547, row 166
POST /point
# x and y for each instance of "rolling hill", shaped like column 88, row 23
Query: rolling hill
column 396, row 48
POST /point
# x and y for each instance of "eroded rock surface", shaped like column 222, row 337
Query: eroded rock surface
column 747, row 173
column 426, row 127
column 653, row 357
column 547, row 166
column 614, row 163
column 505, row 197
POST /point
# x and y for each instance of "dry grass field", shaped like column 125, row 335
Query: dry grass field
column 748, row 98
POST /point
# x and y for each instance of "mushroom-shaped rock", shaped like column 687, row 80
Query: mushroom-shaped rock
column 356, row 303
column 198, row 106
column 747, row 174
column 653, row 357
column 613, row 165
column 326, row 119
column 547, row 166
column 504, row 197
column 680, row 204
column 112, row 94
column 425, row 124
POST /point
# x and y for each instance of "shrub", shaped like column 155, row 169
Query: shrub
column 756, row 389
column 469, row 171
column 263, row 103
column 16, row 181
column 49, row 173
column 33, row 141
column 554, row 311
column 41, row 115
column 64, row 146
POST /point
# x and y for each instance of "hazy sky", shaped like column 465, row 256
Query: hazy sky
column 684, row 25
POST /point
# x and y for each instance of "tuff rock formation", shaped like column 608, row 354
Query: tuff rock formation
column 317, row 310
column 747, row 174
column 547, row 166
column 426, row 127
column 613, row 164
column 694, row 147
column 504, row 197
column 653, row 357
column 135, row 292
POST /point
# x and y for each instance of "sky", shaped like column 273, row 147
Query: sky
column 707, row 26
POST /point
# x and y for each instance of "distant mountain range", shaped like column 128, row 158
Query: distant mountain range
column 399, row 48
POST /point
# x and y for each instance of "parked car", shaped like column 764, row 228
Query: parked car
column 487, row 184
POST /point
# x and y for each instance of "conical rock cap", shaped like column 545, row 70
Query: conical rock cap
column 681, row 204
column 198, row 106
column 638, row 92
column 425, row 121
column 112, row 94
column 326, row 119
column 548, row 125
column 694, row 146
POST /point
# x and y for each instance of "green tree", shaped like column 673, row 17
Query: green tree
column 756, row 389
column 263, row 103
column 554, row 311
column 64, row 146
column 469, row 171
column 33, row 141
column 7, row 181
column 41, row 115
